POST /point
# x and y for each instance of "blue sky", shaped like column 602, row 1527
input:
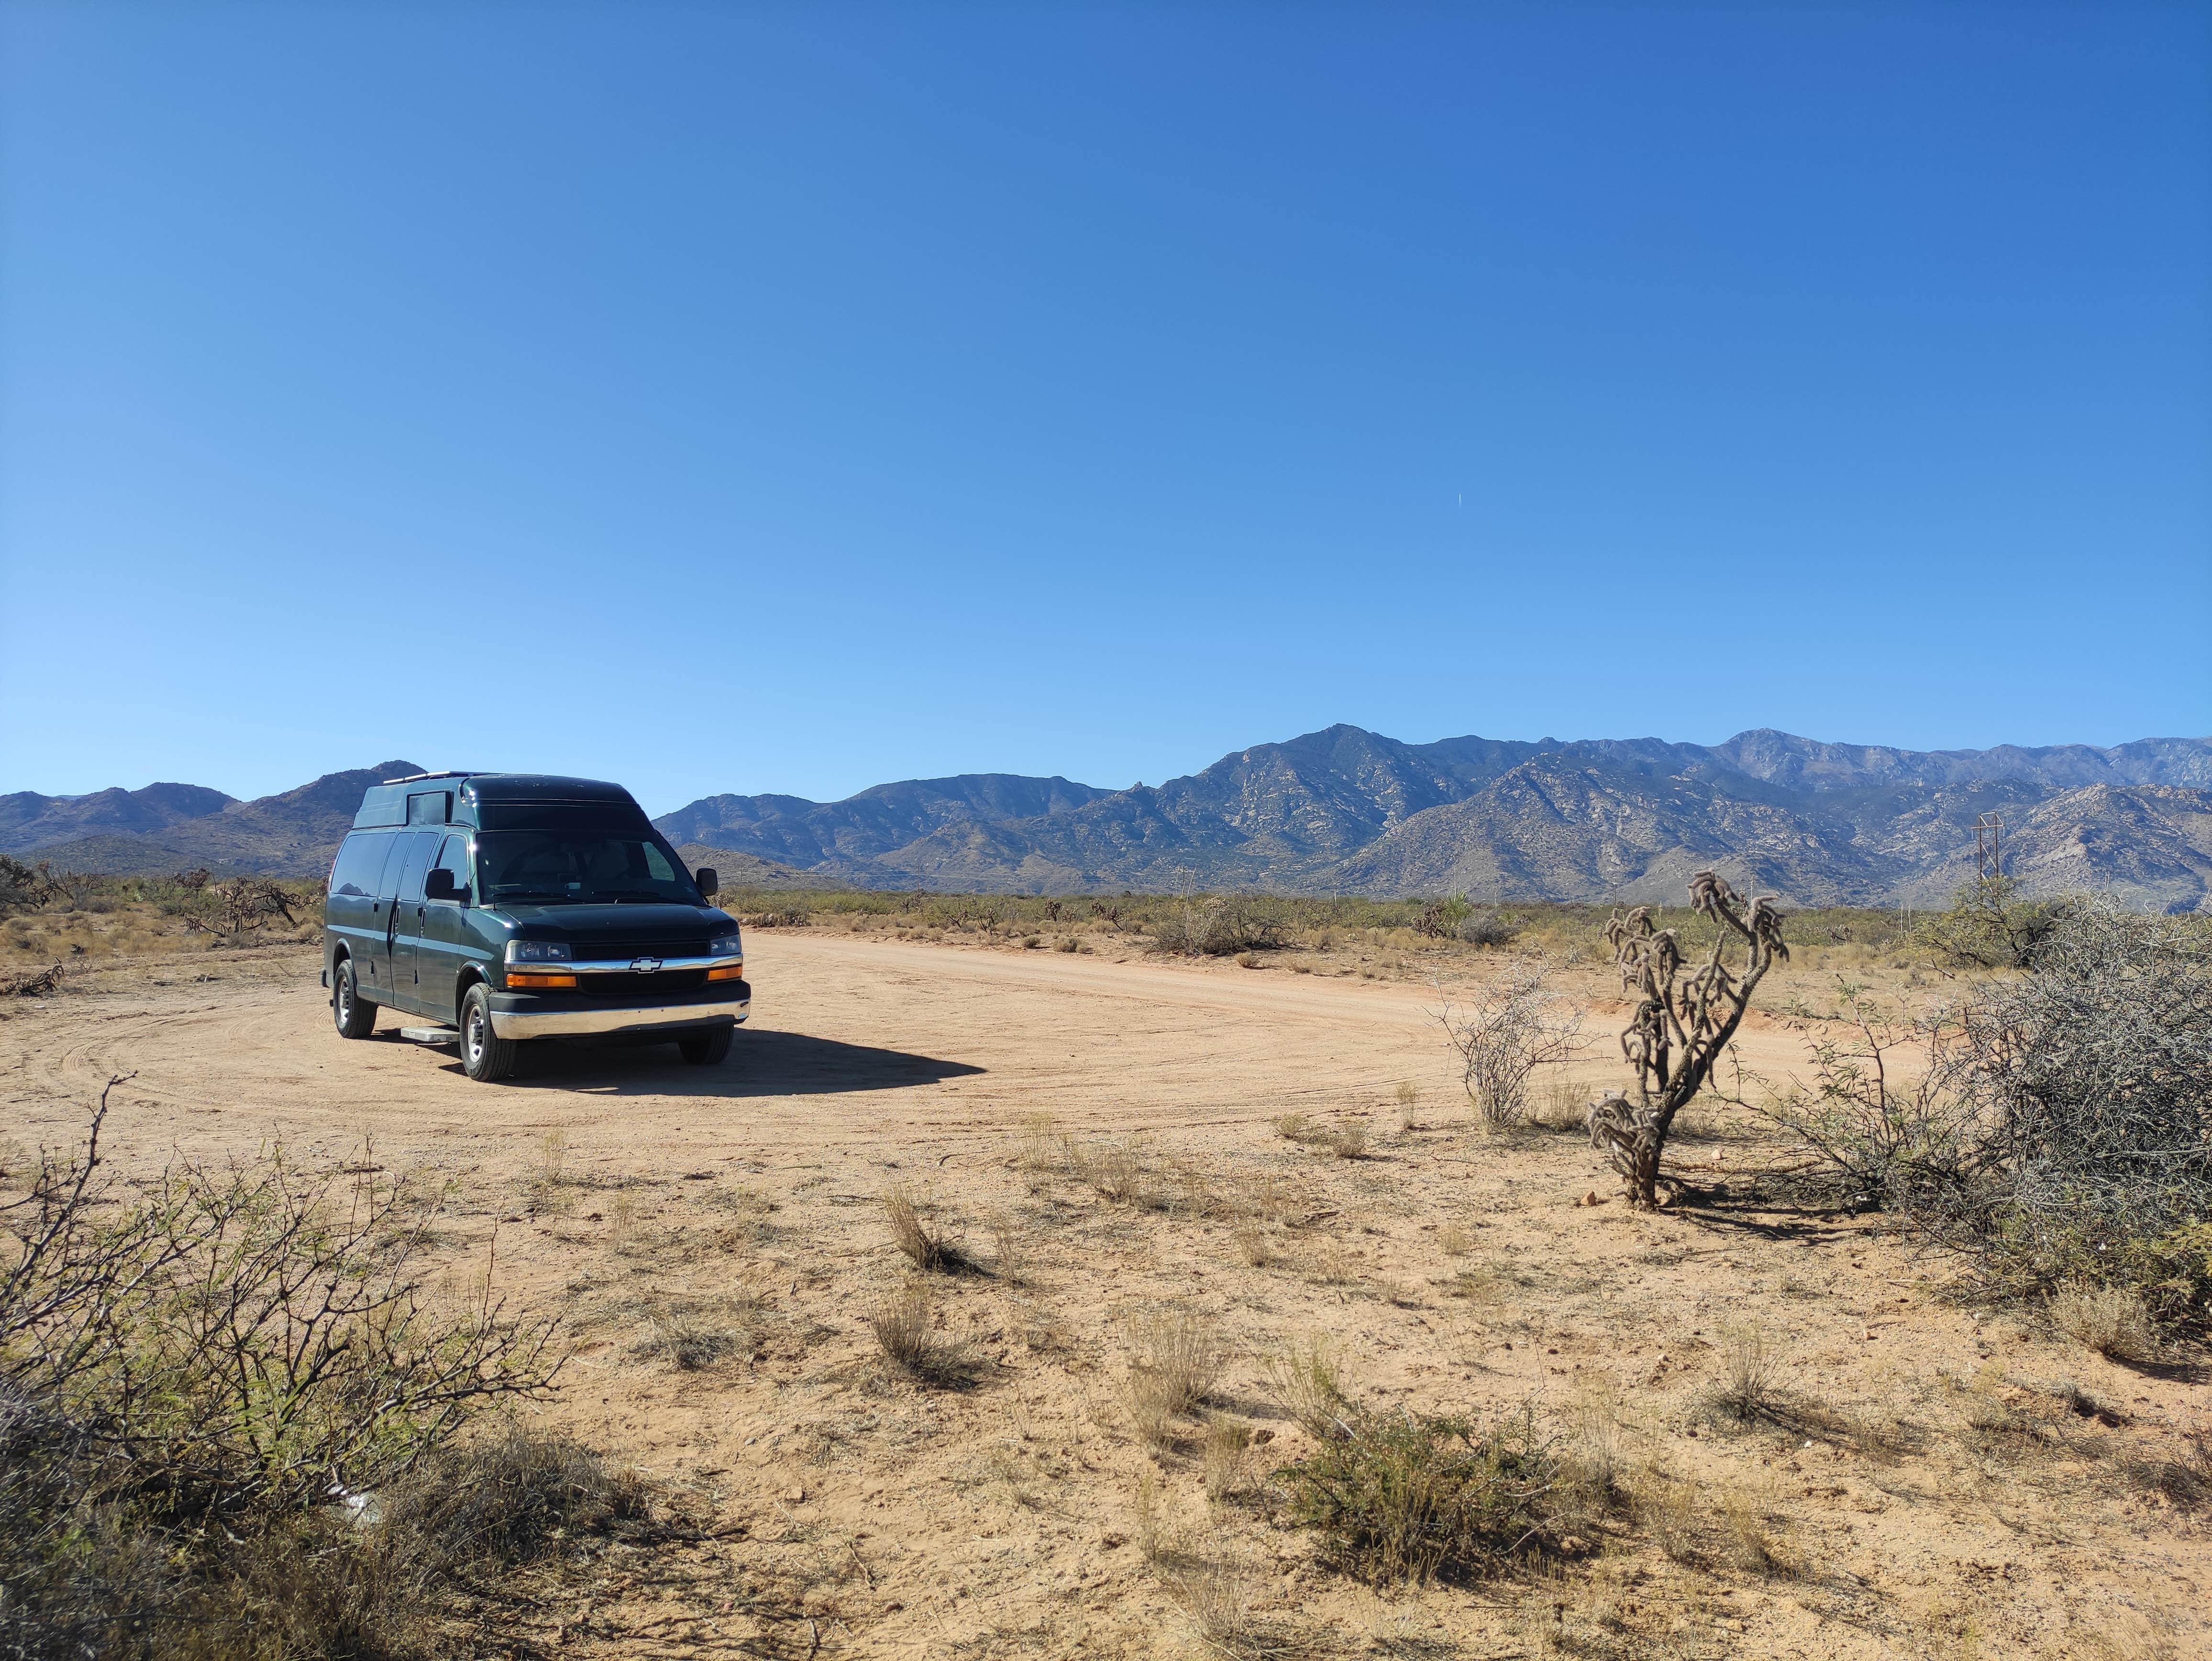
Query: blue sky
column 791, row 398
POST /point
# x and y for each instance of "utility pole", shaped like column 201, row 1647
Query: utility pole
column 1988, row 847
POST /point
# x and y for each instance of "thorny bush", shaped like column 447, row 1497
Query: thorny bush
column 2061, row 1132
column 191, row 1373
column 1504, row 1033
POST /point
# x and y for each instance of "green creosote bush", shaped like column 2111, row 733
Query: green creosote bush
column 221, row 1393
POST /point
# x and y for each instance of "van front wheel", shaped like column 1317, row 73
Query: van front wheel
column 485, row 1056
column 706, row 1049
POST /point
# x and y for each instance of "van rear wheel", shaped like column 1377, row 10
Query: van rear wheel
column 485, row 1056
column 709, row 1049
column 354, row 1016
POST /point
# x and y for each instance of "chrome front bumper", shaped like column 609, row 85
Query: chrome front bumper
column 573, row 1022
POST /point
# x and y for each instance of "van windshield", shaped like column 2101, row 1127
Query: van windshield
column 580, row 867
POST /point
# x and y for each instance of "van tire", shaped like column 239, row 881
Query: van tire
column 354, row 1015
column 485, row 1056
column 707, row 1048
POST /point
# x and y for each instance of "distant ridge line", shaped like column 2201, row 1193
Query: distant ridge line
column 1345, row 810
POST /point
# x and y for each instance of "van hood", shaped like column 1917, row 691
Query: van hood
column 628, row 922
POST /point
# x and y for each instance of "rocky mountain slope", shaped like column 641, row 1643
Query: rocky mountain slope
column 1347, row 810
column 175, row 827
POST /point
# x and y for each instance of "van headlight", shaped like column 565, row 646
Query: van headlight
column 539, row 952
column 726, row 945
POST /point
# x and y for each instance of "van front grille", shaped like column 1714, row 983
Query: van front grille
column 629, row 985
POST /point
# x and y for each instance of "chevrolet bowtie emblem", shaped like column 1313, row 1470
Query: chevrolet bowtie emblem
column 645, row 966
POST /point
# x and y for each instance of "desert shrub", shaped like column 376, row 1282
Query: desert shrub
column 234, row 909
column 1507, row 1032
column 2061, row 1134
column 505, row 1499
column 26, row 887
column 189, row 1374
column 1440, row 919
column 1990, row 925
column 2113, row 1321
column 1218, row 926
column 1487, row 928
column 1401, row 1496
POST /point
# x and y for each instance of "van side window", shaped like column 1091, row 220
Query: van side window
column 422, row 845
column 455, row 858
column 360, row 863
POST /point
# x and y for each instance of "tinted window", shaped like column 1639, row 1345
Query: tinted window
column 580, row 867
column 434, row 808
column 360, row 862
column 454, row 857
column 419, row 847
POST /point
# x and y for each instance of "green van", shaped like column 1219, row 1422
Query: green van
column 506, row 907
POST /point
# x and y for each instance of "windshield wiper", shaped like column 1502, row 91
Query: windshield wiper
column 620, row 894
column 529, row 894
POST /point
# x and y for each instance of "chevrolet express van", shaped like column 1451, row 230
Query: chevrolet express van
column 510, row 907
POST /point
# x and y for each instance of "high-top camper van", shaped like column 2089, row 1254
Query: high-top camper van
column 508, row 907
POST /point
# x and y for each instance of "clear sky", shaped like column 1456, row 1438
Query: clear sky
column 799, row 397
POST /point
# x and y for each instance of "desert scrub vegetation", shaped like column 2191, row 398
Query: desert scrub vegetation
column 2057, row 1137
column 72, row 916
column 1569, row 933
column 232, row 1415
column 1400, row 1495
column 1503, row 1034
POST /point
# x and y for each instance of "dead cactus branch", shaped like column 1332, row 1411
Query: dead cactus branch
column 1681, row 1022
column 241, row 906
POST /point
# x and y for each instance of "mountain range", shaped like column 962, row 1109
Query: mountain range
column 1347, row 810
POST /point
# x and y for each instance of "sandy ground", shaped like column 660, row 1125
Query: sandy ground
column 1925, row 1493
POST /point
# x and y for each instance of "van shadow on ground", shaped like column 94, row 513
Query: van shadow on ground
column 761, row 1064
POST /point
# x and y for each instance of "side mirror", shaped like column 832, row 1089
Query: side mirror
column 707, row 881
column 440, row 885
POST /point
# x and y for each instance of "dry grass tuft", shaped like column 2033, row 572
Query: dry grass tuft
column 1455, row 1241
column 1310, row 1383
column 1179, row 1360
column 905, row 1329
column 927, row 1249
column 1007, row 1255
column 545, row 1182
column 1756, row 1533
column 687, row 1341
column 1116, row 1172
column 1043, row 1148
column 1255, row 1245
column 1348, row 1140
column 1747, row 1390
column 2114, row 1321
column 1228, row 1444
column 621, row 1217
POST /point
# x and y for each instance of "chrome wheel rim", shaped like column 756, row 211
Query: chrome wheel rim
column 345, row 996
column 476, row 1034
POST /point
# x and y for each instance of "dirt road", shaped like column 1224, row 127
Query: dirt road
column 853, row 1042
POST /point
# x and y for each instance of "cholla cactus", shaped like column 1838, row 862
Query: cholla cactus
column 1681, row 1022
